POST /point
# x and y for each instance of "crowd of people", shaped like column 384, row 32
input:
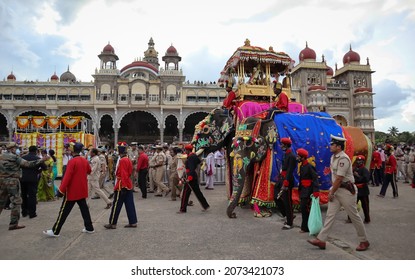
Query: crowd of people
column 27, row 177
column 350, row 184
column 87, row 172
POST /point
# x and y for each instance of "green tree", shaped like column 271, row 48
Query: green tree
column 406, row 137
column 380, row 137
column 393, row 131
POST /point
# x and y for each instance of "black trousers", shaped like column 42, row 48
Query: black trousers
column 376, row 178
column 66, row 208
column 364, row 200
column 305, row 212
column 187, row 190
column 142, row 182
column 123, row 197
column 284, row 203
column 63, row 171
column 389, row 178
column 288, row 205
column 28, row 192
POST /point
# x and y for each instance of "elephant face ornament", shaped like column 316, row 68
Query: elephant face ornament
column 212, row 131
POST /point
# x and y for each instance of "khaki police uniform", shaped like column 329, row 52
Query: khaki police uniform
column 159, row 169
column 94, row 180
column 341, row 165
column 174, row 178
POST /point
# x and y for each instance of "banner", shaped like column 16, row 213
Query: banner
column 52, row 122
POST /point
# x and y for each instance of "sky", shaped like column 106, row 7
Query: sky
column 40, row 37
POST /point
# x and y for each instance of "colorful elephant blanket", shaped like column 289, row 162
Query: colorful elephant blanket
column 310, row 131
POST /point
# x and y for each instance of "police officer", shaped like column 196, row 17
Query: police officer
column 341, row 194
column 159, row 168
column 10, row 173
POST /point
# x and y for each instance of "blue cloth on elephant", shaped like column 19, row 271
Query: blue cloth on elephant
column 310, row 131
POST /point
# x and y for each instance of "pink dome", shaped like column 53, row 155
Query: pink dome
column 139, row 64
column 307, row 53
column 11, row 76
column 351, row 56
column 54, row 77
column 108, row 48
column 330, row 71
column 171, row 51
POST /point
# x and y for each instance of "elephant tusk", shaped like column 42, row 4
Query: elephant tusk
column 199, row 152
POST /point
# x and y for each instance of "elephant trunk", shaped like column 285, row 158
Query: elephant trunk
column 238, row 180
column 236, row 195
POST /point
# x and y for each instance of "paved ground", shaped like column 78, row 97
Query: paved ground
column 163, row 234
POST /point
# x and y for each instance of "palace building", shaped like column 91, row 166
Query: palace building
column 145, row 102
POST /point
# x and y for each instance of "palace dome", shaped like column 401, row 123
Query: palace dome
column 11, row 76
column 139, row 64
column 54, row 77
column 307, row 53
column 351, row 56
column 68, row 76
column 171, row 51
column 108, row 49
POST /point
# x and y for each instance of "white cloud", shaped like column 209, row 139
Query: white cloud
column 47, row 23
column 37, row 35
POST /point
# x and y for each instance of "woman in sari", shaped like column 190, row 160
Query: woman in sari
column 45, row 190
column 54, row 171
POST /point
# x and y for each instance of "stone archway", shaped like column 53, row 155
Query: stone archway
column 106, row 130
column 139, row 126
column 33, row 113
column 171, row 129
column 189, row 124
column 86, row 126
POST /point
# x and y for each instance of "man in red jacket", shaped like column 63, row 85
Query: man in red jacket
column 123, row 191
column 74, row 189
column 142, row 170
column 281, row 97
column 375, row 168
column 228, row 102
column 390, row 173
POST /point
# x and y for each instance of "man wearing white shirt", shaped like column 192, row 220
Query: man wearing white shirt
column 210, row 171
column 67, row 156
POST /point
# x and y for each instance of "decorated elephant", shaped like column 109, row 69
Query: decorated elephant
column 255, row 156
column 215, row 132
